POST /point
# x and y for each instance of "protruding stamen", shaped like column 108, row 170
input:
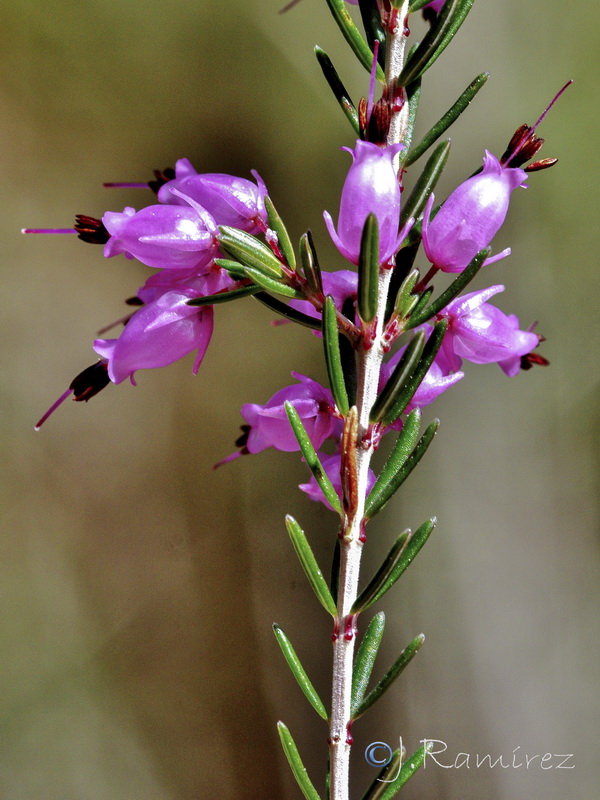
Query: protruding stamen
column 48, row 230
column 524, row 145
column 83, row 386
column 53, row 408
column 124, row 185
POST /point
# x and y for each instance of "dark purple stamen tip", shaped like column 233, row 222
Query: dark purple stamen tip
column 83, row 386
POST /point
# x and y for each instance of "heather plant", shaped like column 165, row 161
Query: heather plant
column 392, row 341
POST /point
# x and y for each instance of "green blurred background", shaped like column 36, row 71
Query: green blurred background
column 137, row 585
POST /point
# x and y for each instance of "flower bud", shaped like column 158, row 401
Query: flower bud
column 470, row 218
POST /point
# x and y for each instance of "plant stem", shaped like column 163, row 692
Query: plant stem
column 357, row 450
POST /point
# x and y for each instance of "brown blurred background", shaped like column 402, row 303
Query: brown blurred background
column 137, row 585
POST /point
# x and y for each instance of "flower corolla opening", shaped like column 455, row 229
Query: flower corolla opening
column 159, row 333
column 269, row 424
column 371, row 187
column 471, row 216
column 483, row 334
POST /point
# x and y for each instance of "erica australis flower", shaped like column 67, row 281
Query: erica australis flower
column 269, row 425
column 164, row 236
column 371, row 187
column 483, row 334
column 157, row 334
column 230, row 200
column 471, row 216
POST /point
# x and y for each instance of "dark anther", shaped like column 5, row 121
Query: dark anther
column 90, row 229
column 91, row 381
column 522, row 147
column 160, row 178
column 242, row 440
column 134, row 301
column 533, row 359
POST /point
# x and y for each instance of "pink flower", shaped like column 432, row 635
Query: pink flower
column 269, row 424
column 371, row 187
column 157, row 334
column 470, row 218
column 483, row 334
column 231, row 201
column 167, row 237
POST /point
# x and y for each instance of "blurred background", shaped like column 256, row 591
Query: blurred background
column 137, row 585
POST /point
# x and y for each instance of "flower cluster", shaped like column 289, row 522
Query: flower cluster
column 201, row 220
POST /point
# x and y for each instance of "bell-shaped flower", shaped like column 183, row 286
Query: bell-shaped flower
column 163, row 236
column 331, row 465
column 471, row 216
column 483, row 334
column 371, row 187
column 158, row 334
column 269, row 424
column 230, row 200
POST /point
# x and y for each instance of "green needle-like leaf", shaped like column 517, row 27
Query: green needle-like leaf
column 385, row 776
column 413, row 92
column 295, row 762
column 365, row 658
column 422, row 301
column 377, row 500
column 338, row 88
column 368, row 270
column 405, row 300
column 405, row 443
column 224, row 297
column 390, row 676
column 446, row 121
column 386, row 401
column 310, row 263
column 371, row 592
column 416, row 5
column 287, row 311
column 283, row 237
column 299, row 672
column 455, row 288
column 417, row 199
column 310, row 566
column 371, row 19
column 352, row 35
column 405, row 394
column 272, row 284
column 249, row 250
column 436, row 40
column 311, row 457
column 234, row 268
column 332, row 356
column 410, row 766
